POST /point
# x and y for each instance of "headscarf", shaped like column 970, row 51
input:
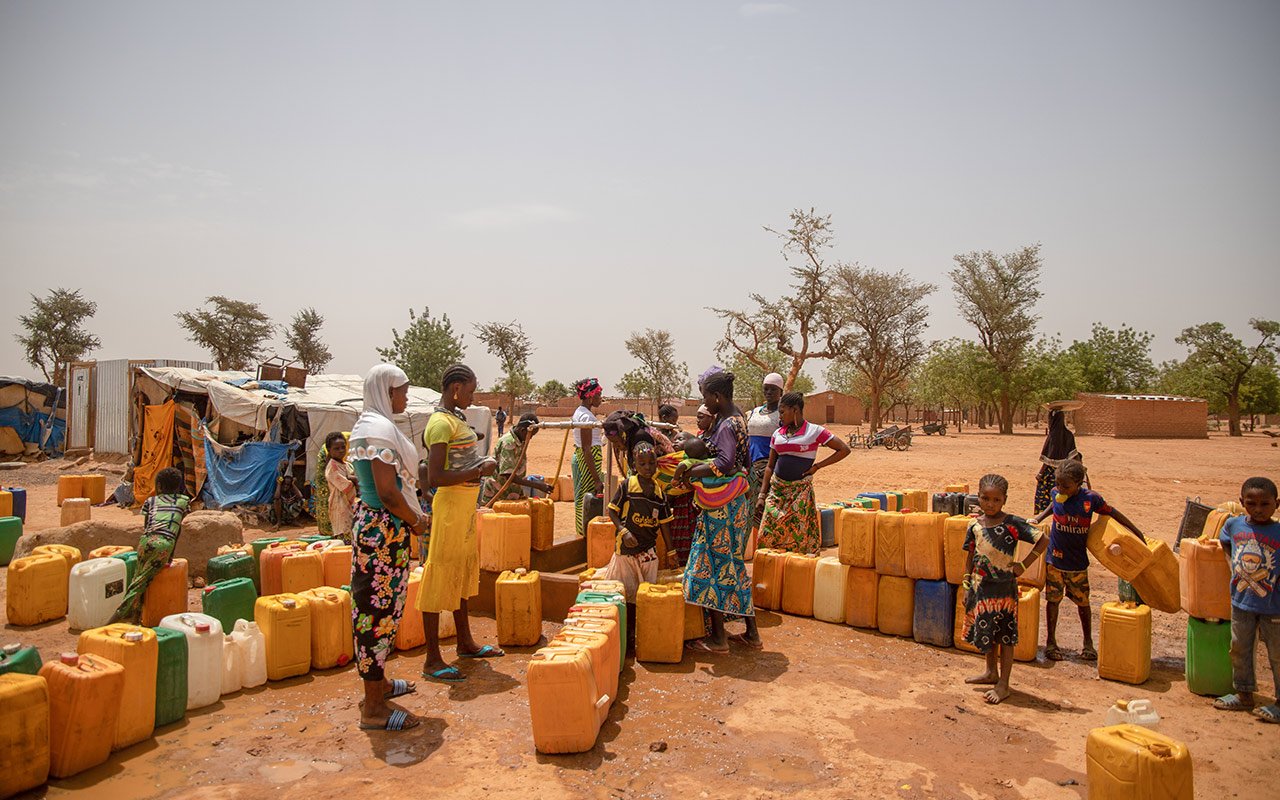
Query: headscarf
column 588, row 388
column 1059, row 441
column 774, row 379
column 375, row 435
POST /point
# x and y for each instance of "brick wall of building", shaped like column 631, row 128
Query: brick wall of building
column 1142, row 417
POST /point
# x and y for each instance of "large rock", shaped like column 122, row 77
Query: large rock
column 203, row 532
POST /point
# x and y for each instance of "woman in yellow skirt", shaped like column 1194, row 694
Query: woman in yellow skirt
column 452, row 572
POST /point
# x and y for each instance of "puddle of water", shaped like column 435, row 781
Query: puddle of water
column 285, row 771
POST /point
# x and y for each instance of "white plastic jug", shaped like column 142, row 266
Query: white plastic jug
column 1134, row 712
column 253, row 653
column 95, row 590
column 204, row 656
column 231, row 667
column 324, row 544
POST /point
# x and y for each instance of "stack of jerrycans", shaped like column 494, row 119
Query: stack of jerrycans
column 1205, row 594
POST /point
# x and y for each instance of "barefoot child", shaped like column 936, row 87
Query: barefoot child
column 991, row 582
column 1252, row 542
column 1067, row 564
column 162, row 516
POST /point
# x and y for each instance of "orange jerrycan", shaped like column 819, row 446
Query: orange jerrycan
column 600, row 541
column 890, row 543
column 36, row 589
column 1158, row 584
column 599, row 619
column 896, row 605
column 857, row 537
column 135, row 649
column 797, row 583
column 562, row 490
column 504, row 541
column 285, row 620
column 860, row 598
column 564, row 705
column 542, row 518
column 95, row 489
column 1130, row 762
column 84, row 705
column 24, row 732
column 512, row 507
column 301, row 570
column 269, row 563
column 70, row 487
column 1205, row 579
column 958, row 628
column 411, row 634
column 962, row 488
column 69, row 553
column 604, row 657
column 336, row 562
column 1028, row 624
column 109, row 550
column 1035, row 574
column 332, row 641
column 75, row 509
column 660, row 623
column 953, row 552
column 766, row 578
column 1124, row 643
column 1117, row 548
column 167, row 593
column 695, row 619
column 923, row 556
column 518, row 608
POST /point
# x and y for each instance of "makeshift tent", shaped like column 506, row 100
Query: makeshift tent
column 36, row 414
column 235, row 414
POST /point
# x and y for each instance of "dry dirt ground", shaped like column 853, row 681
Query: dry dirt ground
column 824, row 711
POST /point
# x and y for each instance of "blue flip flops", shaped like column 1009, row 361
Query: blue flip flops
column 444, row 675
column 488, row 651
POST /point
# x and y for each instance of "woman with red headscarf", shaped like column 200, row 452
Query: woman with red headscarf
column 588, row 457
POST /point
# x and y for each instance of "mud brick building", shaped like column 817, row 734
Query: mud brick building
column 1127, row 416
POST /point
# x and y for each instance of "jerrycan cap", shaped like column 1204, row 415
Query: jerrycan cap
column 202, row 627
column 11, row 648
column 1114, row 549
column 289, row 602
column 133, row 636
column 521, row 571
column 1123, row 705
column 70, row 659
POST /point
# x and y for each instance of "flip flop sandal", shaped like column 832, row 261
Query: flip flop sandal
column 398, row 721
column 444, row 675
column 1089, row 655
column 740, row 638
column 1231, row 702
column 1269, row 713
column 399, row 688
column 1053, row 654
column 699, row 646
column 488, row 651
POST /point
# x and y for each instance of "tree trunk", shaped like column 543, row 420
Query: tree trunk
column 1233, row 414
column 982, row 416
column 793, row 373
column 1006, row 413
column 875, row 410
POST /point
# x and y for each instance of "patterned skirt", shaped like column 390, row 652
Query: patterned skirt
column 756, row 479
column 791, row 519
column 991, row 615
column 684, row 520
column 715, row 577
column 1045, row 482
column 580, row 474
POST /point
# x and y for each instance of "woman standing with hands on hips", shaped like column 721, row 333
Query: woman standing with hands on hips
column 588, row 457
column 452, row 570
column 385, row 513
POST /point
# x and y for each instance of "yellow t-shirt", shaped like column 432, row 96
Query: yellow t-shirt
column 448, row 428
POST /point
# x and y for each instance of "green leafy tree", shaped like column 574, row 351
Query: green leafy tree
column 748, row 377
column 552, row 392
column 889, row 317
column 426, row 348
column 1225, row 362
column 55, row 334
column 632, row 385
column 1114, row 361
column 957, row 374
column 507, row 342
column 809, row 323
column 1260, row 394
column 1188, row 378
column 303, row 338
column 233, row 331
column 997, row 296
column 1048, row 374
column 659, row 376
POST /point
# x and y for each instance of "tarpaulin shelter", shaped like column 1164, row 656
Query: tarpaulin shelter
column 247, row 412
column 35, row 414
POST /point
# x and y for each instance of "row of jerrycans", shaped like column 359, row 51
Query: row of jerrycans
column 292, row 565
column 541, row 512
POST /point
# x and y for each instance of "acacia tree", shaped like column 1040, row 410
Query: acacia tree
column 1114, row 361
column 55, row 334
column 810, row 322
column 889, row 317
column 996, row 295
column 659, row 375
column 1225, row 363
column 748, row 384
column 303, row 338
column 426, row 348
column 507, row 342
column 233, row 331
column 552, row 391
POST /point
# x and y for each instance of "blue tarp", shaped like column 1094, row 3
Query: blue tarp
column 242, row 475
column 277, row 387
column 30, row 427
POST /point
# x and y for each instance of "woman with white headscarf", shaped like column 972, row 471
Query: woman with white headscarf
column 761, row 423
column 385, row 514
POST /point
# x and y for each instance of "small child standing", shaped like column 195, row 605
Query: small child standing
column 1252, row 542
column 639, row 512
column 1067, row 564
column 991, row 582
column 340, row 479
column 162, row 516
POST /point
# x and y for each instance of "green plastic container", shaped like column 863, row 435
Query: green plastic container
column 130, row 560
column 901, row 498
column 1209, row 657
column 171, row 676
column 315, row 537
column 229, row 600
column 618, row 600
column 16, row 658
column 232, row 565
column 10, row 532
column 259, row 545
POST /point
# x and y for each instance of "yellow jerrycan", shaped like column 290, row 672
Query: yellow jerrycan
column 1130, row 762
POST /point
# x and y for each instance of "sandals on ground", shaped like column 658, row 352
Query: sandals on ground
column 399, row 720
column 1231, row 702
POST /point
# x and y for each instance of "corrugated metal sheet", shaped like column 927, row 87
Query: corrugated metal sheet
column 111, row 406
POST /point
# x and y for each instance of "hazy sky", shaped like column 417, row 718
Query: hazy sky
column 593, row 168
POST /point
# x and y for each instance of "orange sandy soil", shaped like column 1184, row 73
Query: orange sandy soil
column 824, row 711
